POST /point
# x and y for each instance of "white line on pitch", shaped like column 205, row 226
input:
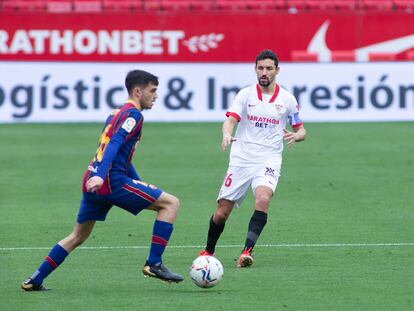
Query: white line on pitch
column 305, row 245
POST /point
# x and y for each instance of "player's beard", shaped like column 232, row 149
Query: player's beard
column 147, row 106
column 264, row 81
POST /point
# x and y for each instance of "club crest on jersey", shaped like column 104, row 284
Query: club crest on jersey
column 129, row 124
column 279, row 108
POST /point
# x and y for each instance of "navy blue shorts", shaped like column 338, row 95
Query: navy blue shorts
column 132, row 196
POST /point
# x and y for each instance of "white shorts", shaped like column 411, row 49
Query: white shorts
column 238, row 180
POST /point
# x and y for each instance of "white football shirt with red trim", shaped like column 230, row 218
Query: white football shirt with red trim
column 262, row 118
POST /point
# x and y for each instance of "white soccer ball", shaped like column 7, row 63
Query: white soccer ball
column 206, row 271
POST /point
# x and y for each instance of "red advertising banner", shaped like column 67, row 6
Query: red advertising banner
column 201, row 36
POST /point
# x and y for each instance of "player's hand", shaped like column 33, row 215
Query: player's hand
column 227, row 140
column 289, row 137
column 94, row 183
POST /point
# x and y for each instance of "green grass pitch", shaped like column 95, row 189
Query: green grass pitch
column 340, row 234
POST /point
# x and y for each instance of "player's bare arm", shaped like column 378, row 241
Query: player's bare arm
column 228, row 127
column 298, row 134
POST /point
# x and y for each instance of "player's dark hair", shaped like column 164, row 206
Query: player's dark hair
column 268, row 54
column 139, row 78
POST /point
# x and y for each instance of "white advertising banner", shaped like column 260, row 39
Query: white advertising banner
column 78, row 92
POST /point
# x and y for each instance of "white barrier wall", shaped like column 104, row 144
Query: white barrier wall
column 71, row 92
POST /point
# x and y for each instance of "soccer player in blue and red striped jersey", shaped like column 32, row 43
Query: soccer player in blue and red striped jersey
column 111, row 179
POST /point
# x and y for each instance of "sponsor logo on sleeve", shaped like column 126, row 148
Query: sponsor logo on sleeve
column 129, row 124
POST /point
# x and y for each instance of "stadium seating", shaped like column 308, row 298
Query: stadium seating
column 381, row 57
column 251, row 4
column 231, row 4
column 59, row 6
column 176, row 5
column 304, row 56
column 377, row 4
column 166, row 5
column 343, row 56
column 346, row 4
column 121, row 5
column 23, row 5
column 203, row 5
column 87, row 6
column 406, row 5
column 321, row 4
column 299, row 5
column 410, row 55
column 266, row 4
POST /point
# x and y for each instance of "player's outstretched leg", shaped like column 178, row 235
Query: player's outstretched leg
column 214, row 232
column 216, row 226
column 160, row 271
column 167, row 208
column 246, row 259
column 29, row 286
column 256, row 225
column 57, row 255
column 262, row 197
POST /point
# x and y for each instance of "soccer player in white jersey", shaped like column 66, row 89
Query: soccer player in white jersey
column 261, row 113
